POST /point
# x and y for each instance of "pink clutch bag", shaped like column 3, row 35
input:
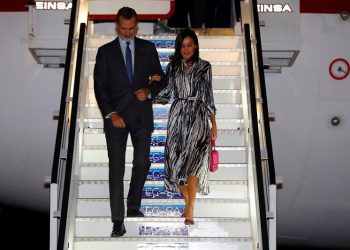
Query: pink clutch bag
column 214, row 157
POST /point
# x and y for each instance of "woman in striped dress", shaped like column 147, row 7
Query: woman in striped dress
column 187, row 145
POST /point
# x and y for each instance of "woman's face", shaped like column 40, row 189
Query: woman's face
column 188, row 48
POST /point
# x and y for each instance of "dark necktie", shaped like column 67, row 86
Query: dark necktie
column 128, row 62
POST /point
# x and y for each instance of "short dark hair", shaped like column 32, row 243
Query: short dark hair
column 127, row 13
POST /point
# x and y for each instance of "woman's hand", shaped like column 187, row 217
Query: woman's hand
column 213, row 132
column 155, row 78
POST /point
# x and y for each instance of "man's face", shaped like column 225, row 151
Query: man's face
column 127, row 28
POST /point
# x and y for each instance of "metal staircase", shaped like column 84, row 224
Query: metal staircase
column 237, row 212
column 222, row 217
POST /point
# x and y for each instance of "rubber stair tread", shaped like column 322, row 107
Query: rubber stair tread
column 163, row 219
column 158, row 183
column 170, row 201
column 154, row 165
column 170, row 239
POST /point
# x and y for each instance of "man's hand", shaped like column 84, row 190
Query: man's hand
column 142, row 94
column 117, row 120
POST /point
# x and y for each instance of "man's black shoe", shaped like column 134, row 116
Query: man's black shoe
column 118, row 229
column 135, row 213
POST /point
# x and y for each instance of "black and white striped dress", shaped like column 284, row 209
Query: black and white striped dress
column 188, row 131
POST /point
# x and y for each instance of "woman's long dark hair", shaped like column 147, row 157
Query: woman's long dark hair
column 175, row 60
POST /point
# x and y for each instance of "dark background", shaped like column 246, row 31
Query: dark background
column 24, row 229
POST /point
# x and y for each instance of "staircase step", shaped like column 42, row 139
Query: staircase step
column 156, row 190
column 99, row 171
column 211, row 55
column 165, row 227
column 217, row 70
column 160, row 124
column 220, row 97
column 168, row 42
column 156, row 243
column 94, row 137
column 170, row 208
column 219, row 82
column 91, row 111
column 99, row 154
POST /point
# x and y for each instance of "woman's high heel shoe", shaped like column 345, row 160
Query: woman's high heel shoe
column 189, row 222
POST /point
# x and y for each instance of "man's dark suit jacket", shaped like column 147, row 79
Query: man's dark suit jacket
column 113, row 89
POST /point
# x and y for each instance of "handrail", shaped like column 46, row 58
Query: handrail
column 71, row 141
column 265, row 170
column 267, row 131
column 256, row 140
column 61, row 120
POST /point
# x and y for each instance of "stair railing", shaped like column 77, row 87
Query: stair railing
column 66, row 128
column 260, row 152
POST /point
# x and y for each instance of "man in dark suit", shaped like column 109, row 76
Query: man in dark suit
column 123, row 92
